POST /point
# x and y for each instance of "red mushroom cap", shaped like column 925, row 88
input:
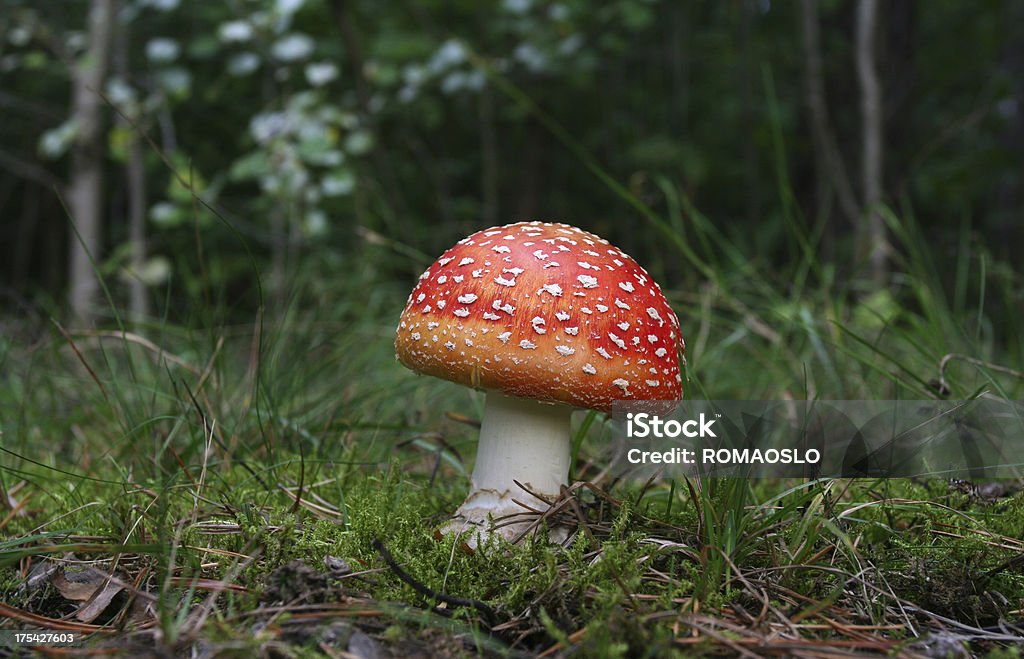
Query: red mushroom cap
column 547, row 312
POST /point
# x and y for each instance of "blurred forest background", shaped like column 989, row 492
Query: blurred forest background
column 348, row 142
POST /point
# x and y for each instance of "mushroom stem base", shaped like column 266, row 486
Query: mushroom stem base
column 520, row 441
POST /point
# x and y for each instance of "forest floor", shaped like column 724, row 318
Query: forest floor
column 275, row 488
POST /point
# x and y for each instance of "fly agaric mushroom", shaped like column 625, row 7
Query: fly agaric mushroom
column 546, row 318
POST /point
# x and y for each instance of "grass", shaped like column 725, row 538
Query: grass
column 275, row 487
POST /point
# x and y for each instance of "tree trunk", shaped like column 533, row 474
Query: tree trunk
column 135, row 177
column 872, row 244
column 749, row 152
column 136, row 172
column 830, row 171
column 86, row 186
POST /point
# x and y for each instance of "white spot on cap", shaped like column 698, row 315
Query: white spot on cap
column 504, row 282
column 415, row 336
column 502, row 249
column 554, row 289
column 587, row 281
column 491, row 316
column 469, row 342
column 527, row 345
column 441, row 304
column 461, row 312
column 626, row 286
column 538, row 325
column 467, row 298
column 623, row 326
column 661, row 352
column 562, row 316
column 603, row 353
column 433, row 325
column 466, row 260
column 652, row 383
column 589, row 369
column 602, row 308
column 458, row 278
column 617, row 341
column 652, row 338
column 551, row 264
column 586, row 310
column 477, row 274
column 504, row 337
column 515, row 271
column 540, row 255
column 620, row 304
column 421, row 297
column 565, row 351
column 621, row 384
column 653, row 313
column 572, row 330
column 636, row 340
column 442, row 279
column 507, row 308
column 590, row 252
column 426, row 308
column 449, row 345
column 445, row 261
column 586, row 266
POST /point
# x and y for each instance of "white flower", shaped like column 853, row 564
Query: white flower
column 451, row 53
column 558, row 12
column 516, row 6
column 54, row 142
column 19, row 36
column 338, row 185
column 268, row 125
column 120, row 92
column 288, row 6
column 359, row 142
column 534, row 60
column 321, row 73
column 162, row 50
column 453, row 82
column 293, row 47
column 570, row 44
column 316, row 223
column 163, row 213
column 176, row 81
column 413, row 75
column 235, row 31
column 243, row 64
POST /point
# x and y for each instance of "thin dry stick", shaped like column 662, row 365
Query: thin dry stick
column 131, row 337
column 429, row 592
column 81, row 358
column 944, row 362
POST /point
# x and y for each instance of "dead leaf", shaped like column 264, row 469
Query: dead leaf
column 94, row 588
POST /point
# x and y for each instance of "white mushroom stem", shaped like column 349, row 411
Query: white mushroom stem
column 520, row 440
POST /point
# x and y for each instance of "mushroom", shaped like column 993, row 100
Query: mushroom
column 545, row 318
